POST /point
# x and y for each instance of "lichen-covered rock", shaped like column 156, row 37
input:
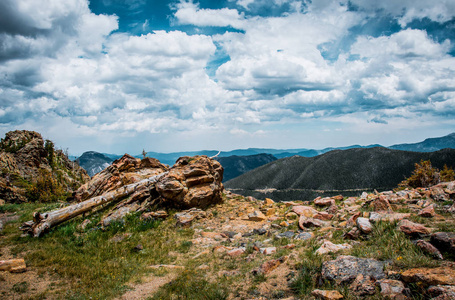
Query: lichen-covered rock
column 26, row 157
column 391, row 289
column 346, row 268
column 329, row 247
column 430, row 276
column 192, row 182
column 327, row 294
column 362, row 286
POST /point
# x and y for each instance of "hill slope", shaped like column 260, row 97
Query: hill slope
column 373, row 168
column 94, row 162
column 429, row 145
column 237, row 165
column 32, row 169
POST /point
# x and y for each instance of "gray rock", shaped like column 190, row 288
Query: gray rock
column 287, row 234
column 444, row 241
column 346, row 268
column 304, row 236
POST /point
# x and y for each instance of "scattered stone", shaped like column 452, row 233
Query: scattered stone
column 353, row 219
column 353, row 234
column 305, row 222
column 391, row 289
column 363, row 285
column 269, row 211
column 427, row 212
column 442, row 292
column 333, row 209
column 268, row 201
column 324, row 201
column 1, row 226
column 268, row 250
column 364, row 225
column 269, row 266
column 413, row 229
column 160, row 214
column 444, row 241
column 386, row 216
column 203, row 267
column 429, row 248
column 257, row 216
column 260, row 231
column 292, row 215
column 213, row 235
column 324, row 216
column 381, row 204
column 427, row 276
column 304, row 236
column 236, row 252
column 327, row 295
column 286, row 234
column 119, row 237
column 289, row 246
column 184, row 220
column 284, row 224
column 13, row 265
column 306, row 211
column 337, row 197
column 329, row 247
column 346, row 268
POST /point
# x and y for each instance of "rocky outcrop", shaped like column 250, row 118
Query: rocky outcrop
column 192, row 182
column 123, row 171
column 26, row 161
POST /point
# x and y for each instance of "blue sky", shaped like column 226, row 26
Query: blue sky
column 121, row 76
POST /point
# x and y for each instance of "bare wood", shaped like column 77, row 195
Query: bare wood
column 215, row 155
column 13, row 265
column 44, row 221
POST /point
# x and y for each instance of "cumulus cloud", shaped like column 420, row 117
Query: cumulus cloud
column 188, row 12
column 62, row 63
column 408, row 10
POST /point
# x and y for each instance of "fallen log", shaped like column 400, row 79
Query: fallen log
column 13, row 265
column 42, row 222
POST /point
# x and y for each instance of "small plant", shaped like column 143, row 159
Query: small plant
column 21, row 287
column 447, row 174
column 424, row 175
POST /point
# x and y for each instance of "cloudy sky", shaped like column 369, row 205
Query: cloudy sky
column 167, row 75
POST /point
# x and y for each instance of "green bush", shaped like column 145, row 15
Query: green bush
column 424, row 175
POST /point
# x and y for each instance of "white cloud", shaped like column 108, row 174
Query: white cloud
column 190, row 13
column 408, row 10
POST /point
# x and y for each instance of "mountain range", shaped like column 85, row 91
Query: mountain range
column 336, row 171
column 238, row 163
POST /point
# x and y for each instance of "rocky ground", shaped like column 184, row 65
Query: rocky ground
column 393, row 244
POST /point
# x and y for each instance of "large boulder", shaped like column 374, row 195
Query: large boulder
column 192, row 182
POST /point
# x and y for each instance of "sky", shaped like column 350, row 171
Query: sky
column 166, row 75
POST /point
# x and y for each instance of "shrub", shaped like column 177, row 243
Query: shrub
column 424, row 175
column 447, row 174
column 46, row 188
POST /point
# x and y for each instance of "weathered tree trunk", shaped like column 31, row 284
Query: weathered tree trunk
column 44, row 221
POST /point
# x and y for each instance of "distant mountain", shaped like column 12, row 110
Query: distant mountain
column 94, row 162
column 237, row 165
column 358, row 168
column 429, row 145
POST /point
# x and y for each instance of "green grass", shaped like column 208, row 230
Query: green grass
column 388, row 243
column 191, row 285
column 91, row 262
